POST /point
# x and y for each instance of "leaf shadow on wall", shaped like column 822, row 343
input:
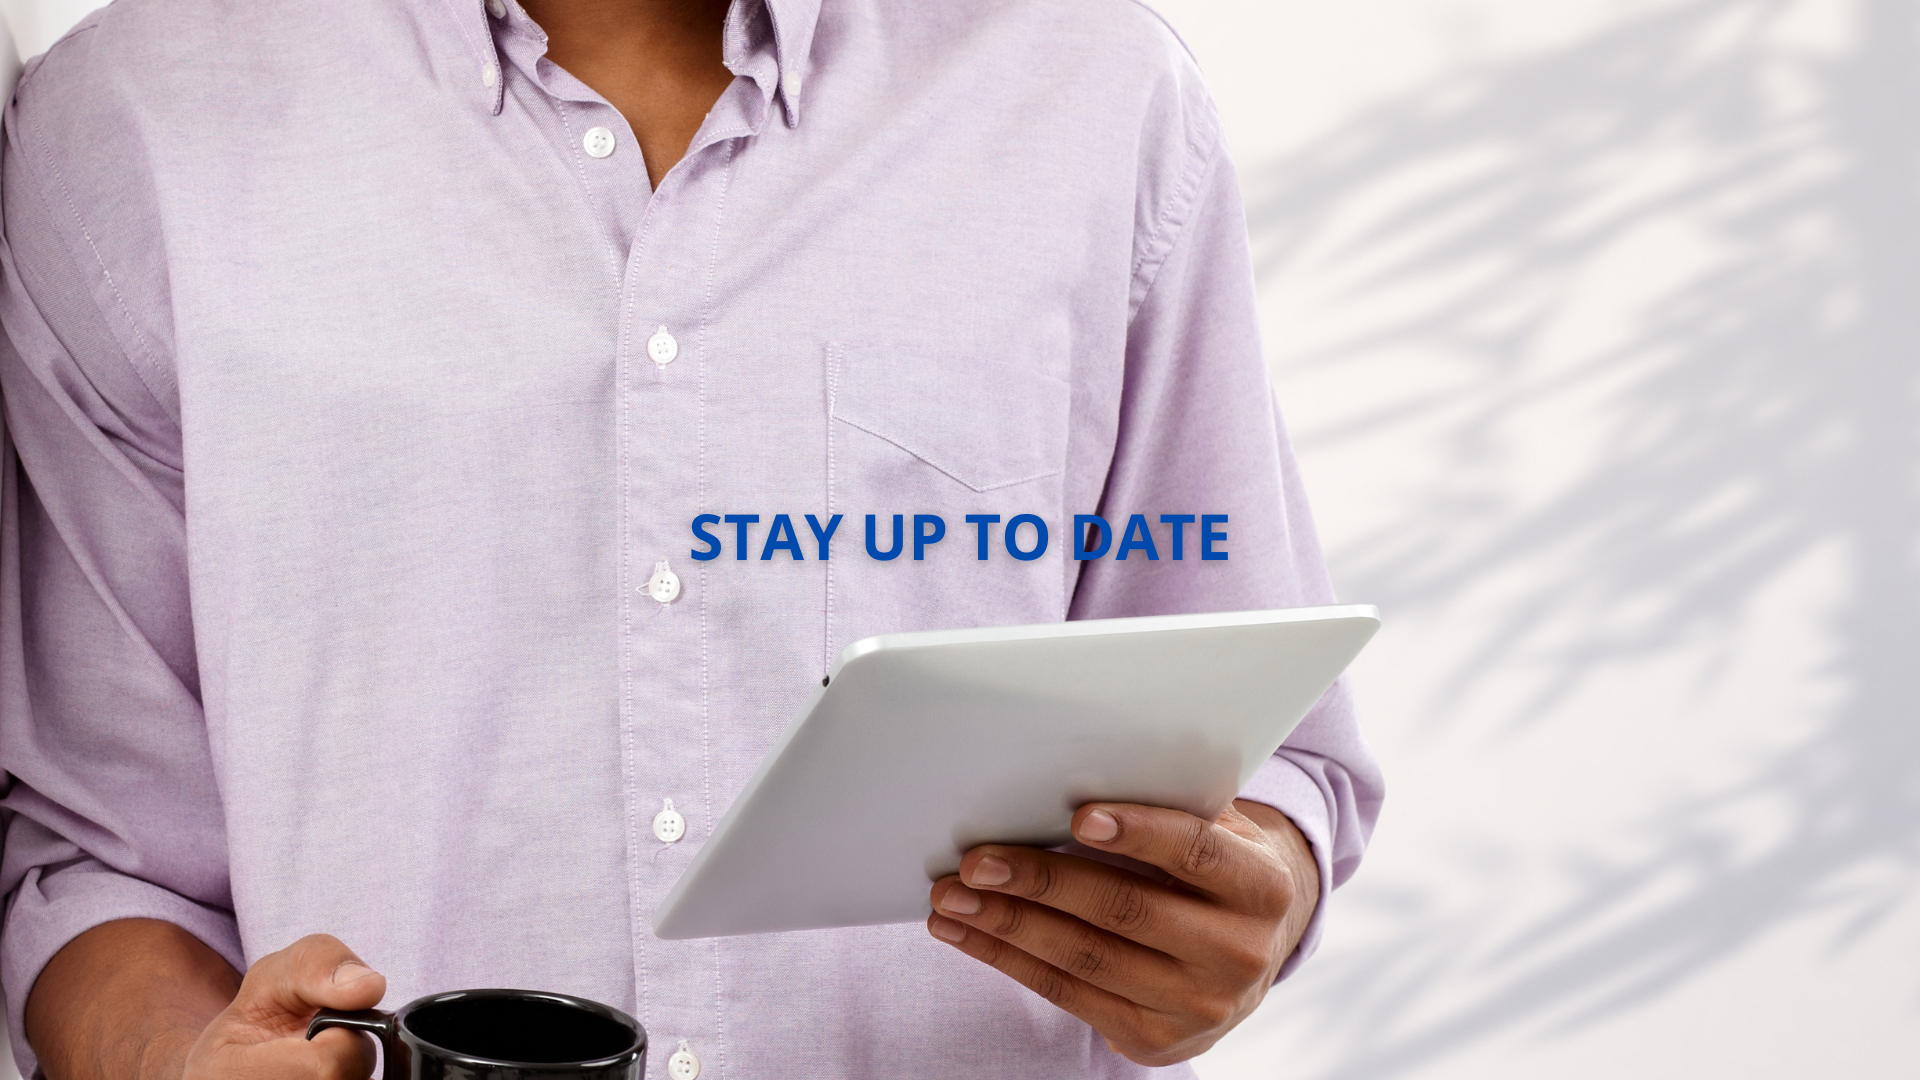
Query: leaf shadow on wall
column 1768, row 408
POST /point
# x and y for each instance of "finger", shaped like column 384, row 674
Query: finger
column 1086, row 952
column 332, row 1055
column 1120, row 902
column 1106, row 1012
column 344, row 1053
column 1243, row 874
column 284, row 989
column 1239, row 824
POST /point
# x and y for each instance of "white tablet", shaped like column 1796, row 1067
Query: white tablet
column 922, row 745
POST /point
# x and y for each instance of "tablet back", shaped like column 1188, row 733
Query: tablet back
column 925, row 744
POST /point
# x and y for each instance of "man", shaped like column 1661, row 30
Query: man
column 367, row 362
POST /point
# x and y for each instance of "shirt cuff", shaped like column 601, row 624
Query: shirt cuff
column 1289, row 789
column 56, row 904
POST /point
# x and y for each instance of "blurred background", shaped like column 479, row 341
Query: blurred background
column 1596, row 325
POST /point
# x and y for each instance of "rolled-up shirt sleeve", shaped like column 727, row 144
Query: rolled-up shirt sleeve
column 114, row 811
column 1200, row 433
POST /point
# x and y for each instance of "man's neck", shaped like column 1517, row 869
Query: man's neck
column 657, row 61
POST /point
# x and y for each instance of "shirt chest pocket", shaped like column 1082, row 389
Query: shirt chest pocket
column 941, row 429
column 914, row 435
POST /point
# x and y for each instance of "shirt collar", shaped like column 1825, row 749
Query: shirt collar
column 793, row 24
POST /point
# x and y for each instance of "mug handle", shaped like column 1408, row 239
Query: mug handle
column 380, row 1025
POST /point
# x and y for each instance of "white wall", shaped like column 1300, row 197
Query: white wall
column 37, row 24
column 1595, row 322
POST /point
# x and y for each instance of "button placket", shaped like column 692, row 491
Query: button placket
column 666, row 282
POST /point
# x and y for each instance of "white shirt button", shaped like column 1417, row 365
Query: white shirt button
column 489, row 74
column 498, row 8
column 664, row 585
column 683, row 1065
column 668, row 828
column 598, row 143
column 662, row 347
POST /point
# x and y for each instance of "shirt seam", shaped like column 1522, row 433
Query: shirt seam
column 835, row 353
column 1195, row 145
column 629, row 709
column 151, row 370
column 706, row 667
column 1186, row 199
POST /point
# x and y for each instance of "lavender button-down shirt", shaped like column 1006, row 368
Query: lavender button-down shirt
column 348, row 462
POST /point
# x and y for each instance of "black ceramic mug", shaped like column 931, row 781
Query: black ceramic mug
column 500, row 1035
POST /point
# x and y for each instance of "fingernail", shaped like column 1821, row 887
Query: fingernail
column 948, row 930
column 961, row 900
column 1099, row 827
column 350, row 971
column 992, row 871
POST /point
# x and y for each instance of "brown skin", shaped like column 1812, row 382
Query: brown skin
column 658, row 62
column 140, row 999
column 1161, row 970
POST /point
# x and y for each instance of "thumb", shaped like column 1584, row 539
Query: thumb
column 1239, row 824
column 284, row 989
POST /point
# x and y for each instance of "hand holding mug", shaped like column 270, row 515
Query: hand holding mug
column 262, row 1035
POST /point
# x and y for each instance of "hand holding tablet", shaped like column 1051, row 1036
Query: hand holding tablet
column 1162, row 969
column 923, row 745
